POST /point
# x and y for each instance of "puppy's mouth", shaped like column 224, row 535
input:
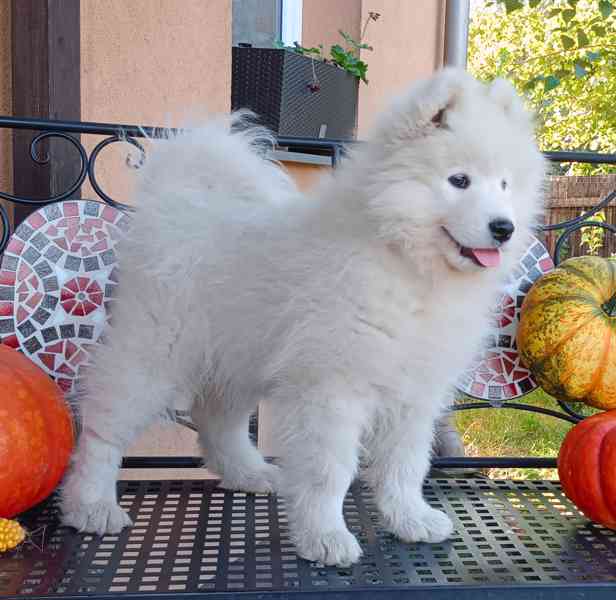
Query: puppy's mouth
column 482, row 257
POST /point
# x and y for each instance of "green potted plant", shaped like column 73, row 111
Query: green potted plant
column 301, row 92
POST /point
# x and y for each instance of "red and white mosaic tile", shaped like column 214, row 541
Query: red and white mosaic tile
column 496, row 374
column 57, row 278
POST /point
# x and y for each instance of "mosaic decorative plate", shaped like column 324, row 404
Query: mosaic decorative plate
column 496, row 374
column 56, row 278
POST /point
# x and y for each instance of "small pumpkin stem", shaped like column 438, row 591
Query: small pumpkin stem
column 609, row 307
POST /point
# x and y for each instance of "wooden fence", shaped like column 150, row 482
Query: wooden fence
column 567, row 197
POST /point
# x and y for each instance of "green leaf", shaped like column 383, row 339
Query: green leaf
column 605, row 6
column 554, row 13
column 529, row 85
column 567, row 42
column 352, row 42
column 592, row 56
column 568, row 14
column 598, row 30
column 534, row 3
column 512, row 5
column 345, row 35
column 339, row 56
column 562, row 73
column 503, row 56
column 297, row 47
column 550, row 82
column 580, row 71
column 362, row 67
column 582, row 38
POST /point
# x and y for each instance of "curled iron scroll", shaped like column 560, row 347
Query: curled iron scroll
column 130, row 162
column 5, row 232
column 36, row 158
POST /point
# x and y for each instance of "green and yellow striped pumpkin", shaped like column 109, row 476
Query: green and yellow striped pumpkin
column 567, row 331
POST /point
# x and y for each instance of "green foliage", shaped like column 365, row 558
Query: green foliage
column 561, row 54
column 351, row 43
column 347, row 58
column 592, row 237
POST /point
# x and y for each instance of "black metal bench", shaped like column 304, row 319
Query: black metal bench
column 515, row 539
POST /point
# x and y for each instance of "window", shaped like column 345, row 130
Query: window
column 261, row 23
column 291, row 22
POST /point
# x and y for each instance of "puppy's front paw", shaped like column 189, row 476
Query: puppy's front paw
column 335, row 547
column 425, row 524
column 97, row 517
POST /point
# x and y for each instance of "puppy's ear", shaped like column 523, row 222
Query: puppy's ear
column 505, row 95
column 439, row 118
column 437, row 97
column 425, row 107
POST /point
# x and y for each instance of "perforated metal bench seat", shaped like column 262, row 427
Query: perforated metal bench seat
column 513, row 539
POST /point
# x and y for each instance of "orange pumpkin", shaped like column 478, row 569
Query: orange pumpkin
column 586, row 467
column 36, row 433
column 567, row 331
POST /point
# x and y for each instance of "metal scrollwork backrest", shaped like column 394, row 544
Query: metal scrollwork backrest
column 87, row 161
column 130, row 134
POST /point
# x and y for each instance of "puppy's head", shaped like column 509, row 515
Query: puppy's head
column 454, row 173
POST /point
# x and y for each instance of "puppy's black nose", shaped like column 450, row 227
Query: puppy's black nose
column 501, row 229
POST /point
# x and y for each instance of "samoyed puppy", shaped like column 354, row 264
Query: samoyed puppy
column 352, row 310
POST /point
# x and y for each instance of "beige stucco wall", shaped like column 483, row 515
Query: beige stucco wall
column 5, row 95
column 321, row 20
column 145, row 60
column 152, row 62
column 408, row 44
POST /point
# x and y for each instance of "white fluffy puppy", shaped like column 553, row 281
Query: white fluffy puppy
column 352, row 311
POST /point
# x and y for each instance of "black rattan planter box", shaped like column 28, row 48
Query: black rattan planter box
column 275, row 84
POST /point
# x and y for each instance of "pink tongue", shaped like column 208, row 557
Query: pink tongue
column 486, row 257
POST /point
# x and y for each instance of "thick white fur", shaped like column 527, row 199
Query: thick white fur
column 350, row 310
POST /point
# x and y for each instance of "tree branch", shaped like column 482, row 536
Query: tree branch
column 561, row 52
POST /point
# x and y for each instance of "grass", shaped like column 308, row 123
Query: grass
column 505, row 432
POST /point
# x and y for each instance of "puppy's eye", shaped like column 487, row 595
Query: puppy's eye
column 460, row 180
column 503, row 185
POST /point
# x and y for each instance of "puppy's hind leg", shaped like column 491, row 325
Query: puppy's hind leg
column 228, row 449
column 121, row 398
